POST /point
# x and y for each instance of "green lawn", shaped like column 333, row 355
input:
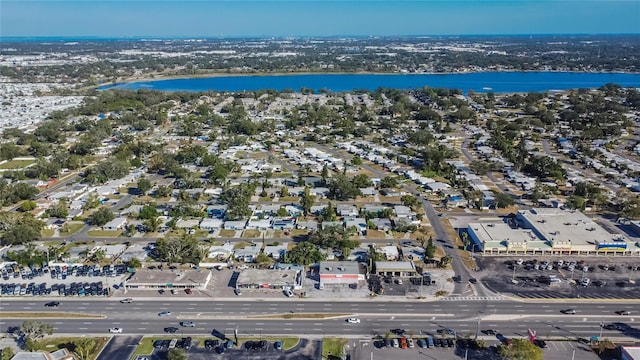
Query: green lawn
column 104, row 233
column 72, row 227
column 47, row 233
column 333, row 346
column 55, row 343
column 16, row 164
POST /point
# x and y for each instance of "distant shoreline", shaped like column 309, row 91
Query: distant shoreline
column 161, row 77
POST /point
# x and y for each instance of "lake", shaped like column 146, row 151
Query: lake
column 499, row 82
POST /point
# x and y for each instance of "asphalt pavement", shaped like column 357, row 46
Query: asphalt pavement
column 466, row 317
column 120, row 347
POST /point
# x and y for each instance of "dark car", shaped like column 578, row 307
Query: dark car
column 450, row 343
column 210, row 344
column 52, row 304
column 277, row 345
column 398, row 331
column 220, row 349
column 171, row 330
column 540, row 343
column 489, row 332
column 187, row 343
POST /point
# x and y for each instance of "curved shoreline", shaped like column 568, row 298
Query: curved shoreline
column 275, row 74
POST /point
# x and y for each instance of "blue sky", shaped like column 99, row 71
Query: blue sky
column 169, row 18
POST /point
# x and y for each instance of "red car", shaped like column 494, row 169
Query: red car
column 188, row 291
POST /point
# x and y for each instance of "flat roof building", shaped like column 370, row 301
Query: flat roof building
column 341, row 273
column 269, row 279
column 548, row 231
column 145, row 279
column 396, row 268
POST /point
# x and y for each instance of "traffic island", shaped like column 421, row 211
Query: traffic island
column 49, row 315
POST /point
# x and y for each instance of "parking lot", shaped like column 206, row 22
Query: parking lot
column 554, row 277
column 367, row 349
column 220, row 348
column 77, row 280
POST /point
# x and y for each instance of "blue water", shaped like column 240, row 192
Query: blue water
column 499, row 82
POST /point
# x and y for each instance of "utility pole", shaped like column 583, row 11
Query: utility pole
column 601, row 327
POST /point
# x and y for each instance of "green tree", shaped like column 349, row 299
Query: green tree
column 284, row 192
column 341, row 188
column 84, row 347
column 307, row 200
column 184, row 249
column 7, row 353
column 59, row 210
column 520, row 349
column 389, row 182
column 282, row 212
column 503, row 200
column 430, row 249
column 21, row 234
column 176, row 354
column 304, row 253
column 93, row 201
column 148, row 211
column 576, row 202
column 33, row 329
column 324, row 173
column 445, row 261
column 28, row 205
column 163, row 191
column 237, row 199
column 134, row 263
column 101, row 217
column 409, row 200
column 356, row 161
column 152, row 224
column 144, row 185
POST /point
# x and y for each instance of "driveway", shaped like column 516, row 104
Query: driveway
column 120, row 347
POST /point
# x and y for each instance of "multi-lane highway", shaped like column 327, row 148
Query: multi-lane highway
column 464, row 317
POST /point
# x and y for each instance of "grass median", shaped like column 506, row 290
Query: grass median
column 49, row 315
column 298, row 316
column 54, row 343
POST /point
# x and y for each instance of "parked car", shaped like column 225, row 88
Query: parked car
column 188, row 291
column 277, row 345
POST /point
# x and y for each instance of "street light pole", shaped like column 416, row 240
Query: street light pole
column 601, row 327
column 478, row 327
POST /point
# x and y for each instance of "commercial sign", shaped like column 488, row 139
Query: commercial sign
column 613, row 246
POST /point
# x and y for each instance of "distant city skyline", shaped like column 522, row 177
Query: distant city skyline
column 148, row 18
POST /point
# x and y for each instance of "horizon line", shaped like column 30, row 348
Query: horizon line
column 218, row 37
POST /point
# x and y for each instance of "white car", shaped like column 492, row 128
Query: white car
column 126, row 301
column 115, row 330
column 353, row 321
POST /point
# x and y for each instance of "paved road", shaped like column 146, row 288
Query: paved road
column 546, row 147
column 120, row 347
column 569, row 326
